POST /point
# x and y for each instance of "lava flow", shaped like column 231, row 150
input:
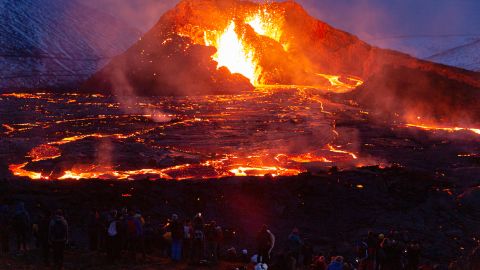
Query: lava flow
column 443, row 128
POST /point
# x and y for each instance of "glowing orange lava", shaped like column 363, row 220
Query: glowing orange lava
column 234, row 53
column 447, row 129
column 335, row 150
column 44, row 152
column 339, row 86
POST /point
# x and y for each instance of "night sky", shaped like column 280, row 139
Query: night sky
column 365, row 18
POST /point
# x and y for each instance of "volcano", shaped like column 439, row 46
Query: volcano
column 218, row 47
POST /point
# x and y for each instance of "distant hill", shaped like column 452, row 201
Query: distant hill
column 461, row 51
column 466, row 56
column 56, row 43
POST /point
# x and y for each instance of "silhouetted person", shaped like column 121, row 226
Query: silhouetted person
column 176, row 229
column 474, row 259
column 413, row 256
column 149, row 235
column 336, row 264
column 133, row 232
column 214, row 238
column 307, row 251
column 198, row 238
column 21, row 226
column 319, row 263
column 94, row 228
column 4, row 229
column 113, row 243
column 187, row 239
column 295, row 244
column 43, row 241
column 264, row 245
column 58, row 237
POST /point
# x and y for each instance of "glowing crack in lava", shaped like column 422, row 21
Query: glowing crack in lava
column 447, row 129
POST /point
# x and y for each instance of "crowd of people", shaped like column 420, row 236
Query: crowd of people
column 50, row 231
column 125, row 234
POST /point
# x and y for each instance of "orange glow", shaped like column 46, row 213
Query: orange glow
column 261, row 171
column 265, row 24
column 44, row 152
column 339, row 86
column 448, row 129
column 303, row 158
column 333, row 149
column 18, row 170
column 234, row 54
column 9, row 128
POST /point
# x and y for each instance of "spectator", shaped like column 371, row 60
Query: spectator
column 133, row 231
column 474, row 259
column 21, row 225
column 307, row 251
column 413, row 256
column 58, row 237
column 336, row 264
column 176, row 228
column 187, row 240
column 198, row 238
column 149, row 235
column 43, row 235
column 214, row 236
column 265, row 243
column 295, row 244
column 113, row 238
column 94, row 229
column 4, row 229
column 319, row 263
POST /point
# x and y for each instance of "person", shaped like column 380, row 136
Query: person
column 393, row 258
column 4, row 229
column 93, row 229
column 176, row 228
column 43, row 241
column 112, row 242
column 307, row 251
column 149, row 235
column 413, row 256
column 21, row 225
column 381, row 256
column 214, row 237
column 133, row 232
column 140, row 243
column 362, row 255
column 474, row 258
column 187, row 239
column 372, row 244
column 198, row 238
column 58, row 237
column 319, row 263
column 295, row 244
column 264, row 245
column 336, row 264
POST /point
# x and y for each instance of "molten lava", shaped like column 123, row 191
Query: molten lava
column 234, row 54
column 443, row 128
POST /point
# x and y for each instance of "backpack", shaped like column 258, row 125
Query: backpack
column 112, row 228
column 59, row 230
column 131, row 228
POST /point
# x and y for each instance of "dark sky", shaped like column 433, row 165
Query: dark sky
column 366, row 18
